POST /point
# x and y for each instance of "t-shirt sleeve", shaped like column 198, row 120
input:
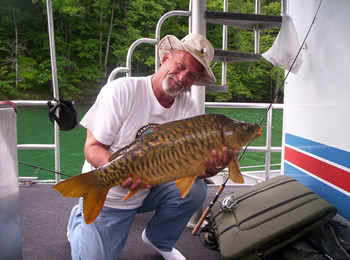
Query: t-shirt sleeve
column 105, row 117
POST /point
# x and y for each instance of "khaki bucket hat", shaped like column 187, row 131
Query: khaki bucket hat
column 198, row 46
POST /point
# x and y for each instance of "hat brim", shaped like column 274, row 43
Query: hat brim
column 170, row 43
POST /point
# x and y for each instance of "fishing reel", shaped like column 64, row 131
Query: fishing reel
column 228, row 203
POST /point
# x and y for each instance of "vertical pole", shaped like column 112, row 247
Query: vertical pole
column 224, row 47
column 54, row 84
column 198, row 26
column 268, row 144
column 283, row 7
column 190, row 17
column 52, row 49
column 256, row 29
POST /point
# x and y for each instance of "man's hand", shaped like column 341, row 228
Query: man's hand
column 218, row 163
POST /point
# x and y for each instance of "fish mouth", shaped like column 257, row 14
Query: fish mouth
column 258, row 134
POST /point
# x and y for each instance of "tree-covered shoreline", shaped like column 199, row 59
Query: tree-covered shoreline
column 92, row 37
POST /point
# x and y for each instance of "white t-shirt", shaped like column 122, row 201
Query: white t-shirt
column 125, row 109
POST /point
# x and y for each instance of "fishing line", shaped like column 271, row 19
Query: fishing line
column 276, row 96
column 45, row 169
column 285, row 78
column 279, row 91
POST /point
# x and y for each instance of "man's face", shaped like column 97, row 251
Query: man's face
column 182, row 71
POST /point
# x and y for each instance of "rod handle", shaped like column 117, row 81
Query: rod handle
column 220, row 189
column 200, row 221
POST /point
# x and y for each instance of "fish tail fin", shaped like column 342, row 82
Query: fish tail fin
column 83, row 185
column 234, row 170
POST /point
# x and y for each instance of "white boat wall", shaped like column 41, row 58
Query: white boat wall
column 316, row 143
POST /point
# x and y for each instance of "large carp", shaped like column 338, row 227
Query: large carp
column 172, row 151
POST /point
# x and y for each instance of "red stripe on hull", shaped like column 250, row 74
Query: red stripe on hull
column 323, row 170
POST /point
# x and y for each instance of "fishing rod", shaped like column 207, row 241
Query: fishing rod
column 45, row 169
column 276, row 96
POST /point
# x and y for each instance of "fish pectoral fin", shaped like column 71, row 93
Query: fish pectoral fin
column 234, row 170
column 83, row 185
column 185, row 185
column 131, row 193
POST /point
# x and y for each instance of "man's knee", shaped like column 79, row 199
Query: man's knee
column 198, row 193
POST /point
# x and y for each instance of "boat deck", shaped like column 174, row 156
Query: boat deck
column 44, row 216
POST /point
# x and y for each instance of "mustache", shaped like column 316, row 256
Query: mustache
column 178, row 82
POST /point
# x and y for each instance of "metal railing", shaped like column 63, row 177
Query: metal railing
column 155, row 41
column 258, row 176
column 55, row 146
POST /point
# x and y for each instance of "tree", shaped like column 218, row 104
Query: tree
column 92, row 37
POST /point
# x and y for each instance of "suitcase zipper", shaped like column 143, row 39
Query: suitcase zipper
column 260, row 191
column 229, row 204
column 266, row 210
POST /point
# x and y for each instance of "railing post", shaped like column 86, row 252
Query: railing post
column 198, row 26
column 131, row 51
column 54, row 85
column 224, row 47
column 257, row 29
column 159, row 26
column 268, row 144
column 283, row 7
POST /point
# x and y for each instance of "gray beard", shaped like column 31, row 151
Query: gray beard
column 168, row 89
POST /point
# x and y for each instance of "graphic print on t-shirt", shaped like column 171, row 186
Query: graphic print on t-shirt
column 145, row 129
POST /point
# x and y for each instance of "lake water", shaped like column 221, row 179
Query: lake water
column 34, row 127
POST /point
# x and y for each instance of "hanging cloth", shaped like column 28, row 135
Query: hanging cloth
column 286, row 47
column 66, row 116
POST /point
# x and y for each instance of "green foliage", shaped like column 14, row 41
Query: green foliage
column 27, row 72
column 6, row 91
column 82, row 34
column 67, row 79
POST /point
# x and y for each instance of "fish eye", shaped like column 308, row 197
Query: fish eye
column 245, row 127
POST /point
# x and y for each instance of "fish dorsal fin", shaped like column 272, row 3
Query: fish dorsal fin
column 125, row 149
column 234, row 170
column 116, row 154
column 185, row 185
column 162, row 126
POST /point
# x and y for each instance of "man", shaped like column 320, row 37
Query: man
column 125, row 109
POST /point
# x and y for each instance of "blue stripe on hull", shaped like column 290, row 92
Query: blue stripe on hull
column 340, row 200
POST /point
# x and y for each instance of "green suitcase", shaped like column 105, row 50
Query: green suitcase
column 254, row 222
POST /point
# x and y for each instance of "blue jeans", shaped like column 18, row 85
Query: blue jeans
column 107, row 235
